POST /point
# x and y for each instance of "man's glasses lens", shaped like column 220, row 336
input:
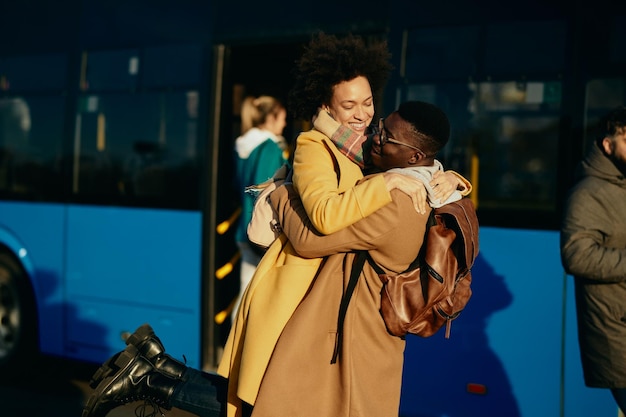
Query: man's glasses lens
column 383, row 138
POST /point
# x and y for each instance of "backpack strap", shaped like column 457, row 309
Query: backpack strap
column 357, row 267
column 466, row 223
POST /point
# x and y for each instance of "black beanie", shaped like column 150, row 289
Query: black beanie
column 428, row 119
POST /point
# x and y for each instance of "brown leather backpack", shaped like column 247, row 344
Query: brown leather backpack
column 435, row 288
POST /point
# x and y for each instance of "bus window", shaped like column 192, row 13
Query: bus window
column 512, row 128
column 32, row 114
column 138, row 149
column 136, row 140
column 31, row 130
column 502, row 93
column 110, row 70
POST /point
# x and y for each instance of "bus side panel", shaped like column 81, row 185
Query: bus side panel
column 108, row 250
column 34, row 233
column 504, row 353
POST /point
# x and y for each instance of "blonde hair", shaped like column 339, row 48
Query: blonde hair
column 254, row 111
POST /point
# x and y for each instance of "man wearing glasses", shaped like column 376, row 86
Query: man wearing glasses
column 315, row 369
column 380, row 158
column 421, row 162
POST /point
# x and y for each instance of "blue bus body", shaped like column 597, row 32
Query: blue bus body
column 100, row 272
column 117, row 206
column 514, row 351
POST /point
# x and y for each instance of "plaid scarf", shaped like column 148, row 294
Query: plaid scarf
column 350, row 144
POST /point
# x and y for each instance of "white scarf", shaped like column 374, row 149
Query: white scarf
column 246, row 143
column 425, row 174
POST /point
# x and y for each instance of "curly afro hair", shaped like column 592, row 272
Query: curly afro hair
column 327, row 61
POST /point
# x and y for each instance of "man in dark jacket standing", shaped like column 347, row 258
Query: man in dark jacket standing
column 593, row 250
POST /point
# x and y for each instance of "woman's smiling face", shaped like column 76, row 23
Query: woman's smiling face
column 352, row 104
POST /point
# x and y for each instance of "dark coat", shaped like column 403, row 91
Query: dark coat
column 593, row 250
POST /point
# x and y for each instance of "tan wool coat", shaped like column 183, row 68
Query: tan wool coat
column 365, row 382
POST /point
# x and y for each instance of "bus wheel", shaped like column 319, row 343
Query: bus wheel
column 17, row 324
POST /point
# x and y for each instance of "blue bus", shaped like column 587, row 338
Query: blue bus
column 117, row 123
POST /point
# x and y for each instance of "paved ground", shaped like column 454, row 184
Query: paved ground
column 56, row 388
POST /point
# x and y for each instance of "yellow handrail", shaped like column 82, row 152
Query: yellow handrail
column 221, row 316
column 227, row 268
column 226, row 224
column 474, row 170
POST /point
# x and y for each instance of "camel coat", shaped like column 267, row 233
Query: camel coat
column 365, row 382
column 326, row 179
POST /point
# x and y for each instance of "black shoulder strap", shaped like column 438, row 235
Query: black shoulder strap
column 357, row 267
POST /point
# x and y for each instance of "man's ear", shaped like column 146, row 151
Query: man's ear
column 607, row 146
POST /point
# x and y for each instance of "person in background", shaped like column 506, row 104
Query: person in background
column 593, row 250
column 260, row 151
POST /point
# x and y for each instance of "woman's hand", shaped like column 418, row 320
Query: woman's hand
column 413, row 187
column 445, row 183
